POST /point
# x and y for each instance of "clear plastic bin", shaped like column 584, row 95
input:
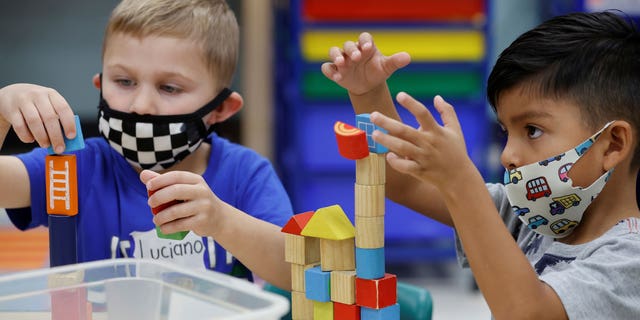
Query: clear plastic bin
column 133, row 289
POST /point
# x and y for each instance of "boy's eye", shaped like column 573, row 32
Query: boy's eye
column 533, row 132
column 124, row 82
column 169, row 89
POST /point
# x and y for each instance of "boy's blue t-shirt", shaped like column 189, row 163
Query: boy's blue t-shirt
column 114, row 219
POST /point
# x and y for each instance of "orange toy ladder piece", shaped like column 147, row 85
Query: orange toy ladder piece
column 61, row 185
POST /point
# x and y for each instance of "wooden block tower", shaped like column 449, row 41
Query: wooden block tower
column 349, row 281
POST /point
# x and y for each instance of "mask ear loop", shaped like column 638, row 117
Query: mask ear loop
column 583, row 149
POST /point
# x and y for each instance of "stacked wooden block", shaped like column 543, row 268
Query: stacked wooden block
column 338, row 271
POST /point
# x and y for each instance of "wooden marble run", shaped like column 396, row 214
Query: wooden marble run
column 338, row 270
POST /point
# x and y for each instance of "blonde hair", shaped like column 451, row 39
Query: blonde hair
column 210, row 23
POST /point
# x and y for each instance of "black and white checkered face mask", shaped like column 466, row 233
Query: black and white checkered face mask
column 155, row 142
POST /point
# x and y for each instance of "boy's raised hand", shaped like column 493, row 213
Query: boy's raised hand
column 198, row 209
column 37, row 113
column 432, row 152
column 360, row 66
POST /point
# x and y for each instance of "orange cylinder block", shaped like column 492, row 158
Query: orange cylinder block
column 352, row 142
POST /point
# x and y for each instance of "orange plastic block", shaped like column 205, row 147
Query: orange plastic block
column 352, row 142
column 377, row 293
column 346, row 311
column 297, row 223
column 163, row 206
column 61, row 184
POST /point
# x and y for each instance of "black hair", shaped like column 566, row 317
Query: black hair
column 590, row 59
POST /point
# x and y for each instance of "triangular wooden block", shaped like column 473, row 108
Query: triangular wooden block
column 329, row 223
column 297, row 223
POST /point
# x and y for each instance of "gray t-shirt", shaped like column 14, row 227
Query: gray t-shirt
column 595, row 280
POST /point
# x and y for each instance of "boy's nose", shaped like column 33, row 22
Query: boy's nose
column 510, row 158
column 142, row 102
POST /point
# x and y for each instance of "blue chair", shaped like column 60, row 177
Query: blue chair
column 415, row 302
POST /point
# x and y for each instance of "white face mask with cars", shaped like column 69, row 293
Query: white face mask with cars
column 543, row 196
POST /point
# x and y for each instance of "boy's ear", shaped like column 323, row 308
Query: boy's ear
column 96, row 81
column 227, row 109
column 620, row 144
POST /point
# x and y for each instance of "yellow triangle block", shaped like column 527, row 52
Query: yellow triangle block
column 329, row 223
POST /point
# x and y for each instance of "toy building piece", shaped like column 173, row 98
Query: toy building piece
column 377, row 293
column 301, row 250
column 68, row 300
column 391, row 312
column 337, row 254
column 370, row 263
column 297, row 223
column 77, row 143
column 317, row 284
column 363, row 122
column 329, row 223
column 61, row 184
column 301, row 307
column 352, row 142
column 343, row 287
column 369, row 201
column 297, row 276
column 369, row 232
column 180, row 235
column 346, row 311
column 322, row 310
column 371, row 170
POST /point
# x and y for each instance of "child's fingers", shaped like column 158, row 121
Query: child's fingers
column 66, row 116
column 400, row 164
column 365, row 42
column 147, row 175
column 397, row 61
column 351, row 50
column 447, row 113
column 35, row 125
column 331, row 71
column 336, row 55
column 418, row 110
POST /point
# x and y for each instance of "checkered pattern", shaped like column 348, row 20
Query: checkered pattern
column 152, row 146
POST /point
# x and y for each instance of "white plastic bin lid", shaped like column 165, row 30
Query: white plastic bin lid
column 134, row 289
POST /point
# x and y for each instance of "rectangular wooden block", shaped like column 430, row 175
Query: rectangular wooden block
column 61, row 184
column 343, row 286
column 301, row 307
column 322, row 310
column 337, row 254
column 369, row 232
column 301, row 250
column 377, row 293
column 369, row 200
column 343, row 311
column 371, row 170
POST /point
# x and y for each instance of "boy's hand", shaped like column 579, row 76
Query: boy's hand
column 360, row 66
column 431, row 153
column 198, row 209
column 37, row 114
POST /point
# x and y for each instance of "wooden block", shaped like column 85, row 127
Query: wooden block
column 301, row 307
column 63, row 240
column 297, row 223
column 343, row 311
column 329, row 223
column 371, row 170
column 343, row 287
column 68, row 298
column 317, row 284
column 61, row 184
column 369, row 200
column 337, row 254
column 369, row 232
column 297, row 276
column 391, row 312
column 377, row 293
column 322, row 310
column 352, row 142
column 74, row 144
column 370, row 263
column 363, row 122
column 301, row 250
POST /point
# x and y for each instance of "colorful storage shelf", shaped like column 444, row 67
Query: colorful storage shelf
column 447, row 40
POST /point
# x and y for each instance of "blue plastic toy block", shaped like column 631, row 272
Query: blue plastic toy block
column 317, row 284
column 62, row 240
column 74, row 144
column 370, row 263
column 391, row 312
column 363, row 122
